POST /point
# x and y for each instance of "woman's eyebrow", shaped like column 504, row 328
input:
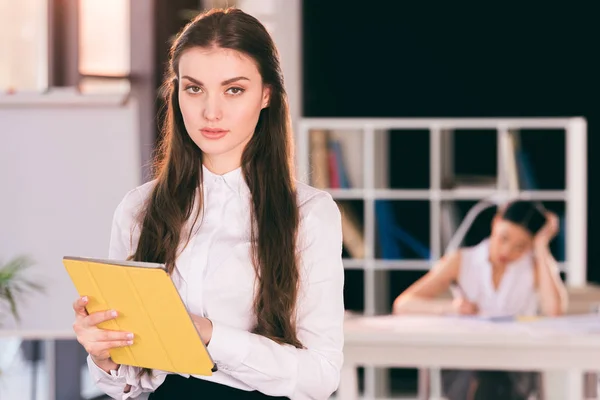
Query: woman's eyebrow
column 224, row 83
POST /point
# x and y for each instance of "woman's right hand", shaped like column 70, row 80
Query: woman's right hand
column 464, row 307
column 97, row 342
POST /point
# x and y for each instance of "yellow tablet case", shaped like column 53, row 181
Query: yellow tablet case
column 149, row 306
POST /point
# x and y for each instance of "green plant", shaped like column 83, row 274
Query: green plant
column 14, row 283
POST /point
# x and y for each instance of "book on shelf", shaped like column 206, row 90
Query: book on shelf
column 393, row 239
column 465, row 182
column 319, row 159
column 511, row 148
column 352, row 231
column 520, row 176
column 338, row 172
column 328, row 171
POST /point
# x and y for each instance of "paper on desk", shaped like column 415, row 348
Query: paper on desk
column 433, row 324
column 486, row 317
column 569, row 324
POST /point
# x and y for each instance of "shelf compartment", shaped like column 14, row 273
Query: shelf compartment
column 354, row 290
column 353, row 232
column 402, row 229
column 336, row 158
column 399, row 151
column 540, row 158
column 469, row 159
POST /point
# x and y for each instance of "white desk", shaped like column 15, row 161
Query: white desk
column 446, row 342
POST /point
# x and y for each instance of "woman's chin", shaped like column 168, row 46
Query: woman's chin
column 502, row 261
column 215, row 148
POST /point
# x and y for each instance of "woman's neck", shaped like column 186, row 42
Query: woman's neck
column 220, row 168
column 498, row 267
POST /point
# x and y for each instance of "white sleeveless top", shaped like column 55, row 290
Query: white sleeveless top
column 516, row 293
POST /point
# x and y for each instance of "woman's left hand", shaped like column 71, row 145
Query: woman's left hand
column 204, row 326
column 548, row 231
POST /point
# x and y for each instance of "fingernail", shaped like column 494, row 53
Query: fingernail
column 130, row 336
column 113, row 313
column 130, row 342
column 85, row 299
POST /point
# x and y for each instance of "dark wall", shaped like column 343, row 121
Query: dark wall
column 447, row 60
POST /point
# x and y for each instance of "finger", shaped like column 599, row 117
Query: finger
column 100, row 349
column 79, row 306
column 100, row 316
column 109, row 336
column 116, row 343
column 469, row 310
column 552, row 219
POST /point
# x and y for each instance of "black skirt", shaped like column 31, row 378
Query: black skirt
column 177, row 387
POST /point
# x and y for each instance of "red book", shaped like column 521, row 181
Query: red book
column 334, row 176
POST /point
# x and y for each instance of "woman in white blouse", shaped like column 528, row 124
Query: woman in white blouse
column 512, row 273
column 255, row 255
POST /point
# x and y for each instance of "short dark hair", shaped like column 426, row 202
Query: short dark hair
column 528, row 214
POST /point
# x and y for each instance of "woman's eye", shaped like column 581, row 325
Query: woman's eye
column 193, row 89
column 235, row 91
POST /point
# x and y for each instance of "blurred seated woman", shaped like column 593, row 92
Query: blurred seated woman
column 510, row 273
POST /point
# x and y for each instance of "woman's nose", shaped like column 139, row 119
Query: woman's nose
column 212, row 109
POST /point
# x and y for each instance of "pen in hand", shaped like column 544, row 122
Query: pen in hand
column 460, row 303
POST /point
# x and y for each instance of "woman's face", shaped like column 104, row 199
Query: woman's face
column 508, row 241
column 221, row 94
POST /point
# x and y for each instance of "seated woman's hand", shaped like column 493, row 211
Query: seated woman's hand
column 97, row 342
column 548, row 231
column 464, row 307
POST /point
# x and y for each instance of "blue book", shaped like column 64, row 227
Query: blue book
column 525, row 171
column 342, row 173
column 392, row 236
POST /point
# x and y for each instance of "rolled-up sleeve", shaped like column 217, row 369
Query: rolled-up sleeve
column 312, row 372
column 114, row 384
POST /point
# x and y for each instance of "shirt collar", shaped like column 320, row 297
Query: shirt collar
column 233, row 179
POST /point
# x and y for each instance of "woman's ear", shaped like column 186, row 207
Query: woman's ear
column 266, row 97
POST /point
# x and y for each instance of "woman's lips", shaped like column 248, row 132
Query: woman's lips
column 213, row 134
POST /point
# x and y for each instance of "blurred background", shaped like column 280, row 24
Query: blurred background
column 407, row 112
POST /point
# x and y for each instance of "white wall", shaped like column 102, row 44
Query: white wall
column 64, row 166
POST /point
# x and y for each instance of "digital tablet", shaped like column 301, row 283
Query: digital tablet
column 149, row 306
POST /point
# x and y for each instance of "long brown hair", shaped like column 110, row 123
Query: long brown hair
column 266, row 165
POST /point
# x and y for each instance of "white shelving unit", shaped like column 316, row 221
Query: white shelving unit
column 372, row 175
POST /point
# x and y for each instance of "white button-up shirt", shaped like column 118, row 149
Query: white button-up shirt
column 215, row 278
